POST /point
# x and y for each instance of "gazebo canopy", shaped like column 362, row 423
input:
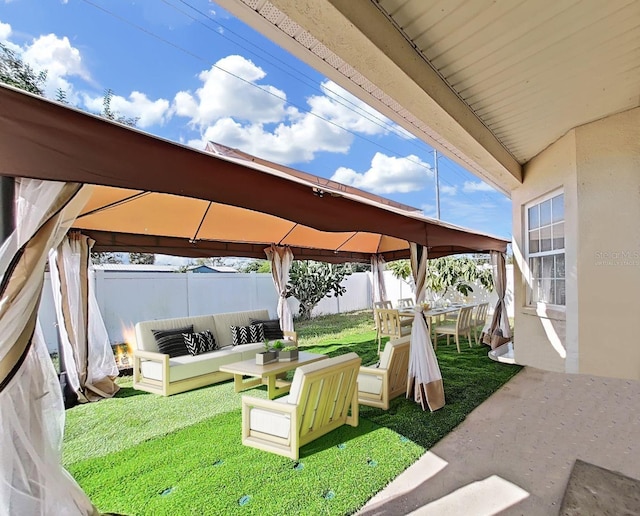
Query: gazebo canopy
column 156, row 196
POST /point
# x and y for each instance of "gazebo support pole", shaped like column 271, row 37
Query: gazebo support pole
column 7, row 209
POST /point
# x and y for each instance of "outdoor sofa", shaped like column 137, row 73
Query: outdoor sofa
column 160, row 373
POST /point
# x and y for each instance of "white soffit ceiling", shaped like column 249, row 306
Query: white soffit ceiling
column 525, row 71
column 531, row 70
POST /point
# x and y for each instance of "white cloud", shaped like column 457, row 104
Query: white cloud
column 429, row 210
column 233, row 94
column 348, row 111
column 476, row 186
column 138, row 105
column 61, row 61
column 286, row 144
column 388, row 174
column 448, row 190
column 5, row 31
column 259, row 121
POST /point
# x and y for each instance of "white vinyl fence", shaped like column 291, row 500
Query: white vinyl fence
column 126, row 298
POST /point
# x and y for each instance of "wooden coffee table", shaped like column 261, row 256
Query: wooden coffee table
column 267, row 374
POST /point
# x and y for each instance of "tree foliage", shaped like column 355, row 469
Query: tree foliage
column 15, row 72
column 106, row 257
column 142, row 258
column 110, row 114
column 448, row 274
column 310, row 282
column 257, row 266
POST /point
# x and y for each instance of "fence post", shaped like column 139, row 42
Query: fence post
column 99, row 289
column 188, row 276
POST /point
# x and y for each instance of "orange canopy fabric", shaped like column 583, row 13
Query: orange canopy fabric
column 156, row 196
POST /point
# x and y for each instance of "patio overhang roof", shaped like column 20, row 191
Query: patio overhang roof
column 490, row 84
column 157, row 196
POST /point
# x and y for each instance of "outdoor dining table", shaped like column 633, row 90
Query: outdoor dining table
column 435, row 312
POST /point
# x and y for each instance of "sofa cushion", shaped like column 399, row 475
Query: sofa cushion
column 200, row 342
column 271, row 327
column 171, row 342
column 247, row 334
column 189, row 366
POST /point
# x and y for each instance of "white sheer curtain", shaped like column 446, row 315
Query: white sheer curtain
column 425, row 378
column 377, row 273
column 500, row 321
column 32, row 480
column 88, row 357
column 281, row 258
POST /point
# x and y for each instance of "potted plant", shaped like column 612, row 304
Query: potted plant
column 277, row 346
column 288, row 353
column 267, row 356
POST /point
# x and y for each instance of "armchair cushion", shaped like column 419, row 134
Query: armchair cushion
column 271, row 422
column 370, row 383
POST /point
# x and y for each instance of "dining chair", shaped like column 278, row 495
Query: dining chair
column 382, row 304
column 461, row 326
column 390, row 324
column 406, row 302
column 479, row 320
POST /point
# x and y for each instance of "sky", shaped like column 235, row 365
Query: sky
column 191, row 72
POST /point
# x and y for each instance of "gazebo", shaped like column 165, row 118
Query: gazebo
column 130, row 191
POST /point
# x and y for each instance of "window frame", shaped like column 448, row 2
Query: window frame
column 529, row 302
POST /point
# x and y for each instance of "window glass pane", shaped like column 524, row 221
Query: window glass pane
column 534, row 241
column 558, row 235
column 546, row 290
column 534, row 218
column 534, row 265
column 545, row 239
column 560, row 265
column 545, row 212
column 557, row 208
column 560, row 293
column 536, row 287
column 548, row 270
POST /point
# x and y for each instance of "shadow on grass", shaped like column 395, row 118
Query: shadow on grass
column 469, row 378
column 128, row 392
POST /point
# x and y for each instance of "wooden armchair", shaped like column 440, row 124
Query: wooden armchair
column 379, row 385
column 323, row 396
column 389, row 323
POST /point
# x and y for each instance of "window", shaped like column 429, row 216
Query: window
column 545, row 231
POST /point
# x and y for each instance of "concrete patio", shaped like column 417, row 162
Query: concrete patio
column 514, row 454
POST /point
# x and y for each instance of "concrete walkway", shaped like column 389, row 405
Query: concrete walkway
column 514, row 453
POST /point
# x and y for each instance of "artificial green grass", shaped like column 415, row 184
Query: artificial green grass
column 148, row 454
column 204, row 469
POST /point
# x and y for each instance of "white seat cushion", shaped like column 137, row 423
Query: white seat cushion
column 270, row 422
column 369, row 383
column 189, row 366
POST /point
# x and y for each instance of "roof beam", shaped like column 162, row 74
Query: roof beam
column 357, row 32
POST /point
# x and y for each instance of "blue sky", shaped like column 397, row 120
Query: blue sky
column 191, row 72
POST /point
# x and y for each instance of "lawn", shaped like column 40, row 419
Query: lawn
column 142, row 454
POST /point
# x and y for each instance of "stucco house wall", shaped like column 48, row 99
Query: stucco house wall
column 597, row 166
